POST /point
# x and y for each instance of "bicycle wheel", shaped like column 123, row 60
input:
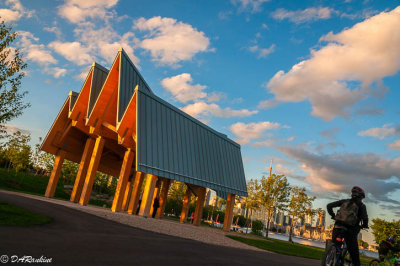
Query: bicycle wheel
column 329, row 258
column 374, row 262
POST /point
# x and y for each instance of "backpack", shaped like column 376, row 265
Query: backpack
column 348, row 213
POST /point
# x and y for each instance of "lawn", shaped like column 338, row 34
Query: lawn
column 287, row 248
column 11, row 215
column 36, row 185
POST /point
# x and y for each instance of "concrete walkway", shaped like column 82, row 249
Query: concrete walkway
column 88, row 235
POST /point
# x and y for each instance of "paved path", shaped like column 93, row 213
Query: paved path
column 79, row 238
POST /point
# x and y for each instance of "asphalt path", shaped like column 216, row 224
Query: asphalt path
column 78, row 238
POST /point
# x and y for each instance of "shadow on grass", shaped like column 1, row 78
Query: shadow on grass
column 11, row 215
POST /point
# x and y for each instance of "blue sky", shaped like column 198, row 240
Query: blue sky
column 311, row 84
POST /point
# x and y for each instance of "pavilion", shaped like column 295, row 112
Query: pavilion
column 118, row 126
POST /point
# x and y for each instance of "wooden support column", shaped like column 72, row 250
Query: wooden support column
column 91, row 173
column 156, row 193
column 128, row 192
column 198, row 213
column 82, row 171
column 123, row 180
column 230, row 203
column 147, row 197
column 134, row 200
column 163, row 197
column 185, row 205
column 55, row 174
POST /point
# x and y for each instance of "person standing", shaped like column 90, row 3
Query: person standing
column 156, row 204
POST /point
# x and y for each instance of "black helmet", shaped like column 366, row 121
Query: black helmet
column 357, row 192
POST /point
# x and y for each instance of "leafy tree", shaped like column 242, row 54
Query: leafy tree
column 381, row 229
column 19, row 151
column 252, row 202
column 274, row 195
column 11, row 73
column 298, row 204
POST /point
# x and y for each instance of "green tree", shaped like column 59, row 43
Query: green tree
column 298, row 204
column 19, row 151
column 274, row 195
column 381, row 229
column 252, row 202
column 11, row 73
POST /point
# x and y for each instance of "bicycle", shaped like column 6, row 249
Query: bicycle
column 336, row 254
column 393, row 261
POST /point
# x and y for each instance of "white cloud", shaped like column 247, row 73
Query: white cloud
column 364, row 53
column 249, row 5
column 201, row 108
column 267, row 104
column 33, row 51
column 215, row 96
column 57, row 72
column 252, row 130
column 181, row 88
column 328, row 173
column 170, row 41
column 15, row 12
column 262, row 52
column 395, row 145
column 301, row 16
column 380, row 132
column 72, row 51
column 77, row 11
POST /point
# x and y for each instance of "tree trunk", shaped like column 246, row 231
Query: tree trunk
column 268, row 220
column 291, row 232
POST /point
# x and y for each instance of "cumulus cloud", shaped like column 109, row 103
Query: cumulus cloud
column 330, row 133
column 181, row 88
column 363, row 54
column 301, row 16
column 77, row 11
column 33, row 51
column 381, row 132
column 249, row 5
column 395, row 145
column 339, row 172
column 200, row 108
column 15, row 12
column 262, row 52
column 246, row 132
column 170, row 41
column 72, row 51
column 267, row 104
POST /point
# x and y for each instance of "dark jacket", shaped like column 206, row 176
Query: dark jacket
column 385, row 246
column 362, row 212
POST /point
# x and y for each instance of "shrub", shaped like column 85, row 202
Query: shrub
column 257, row 227
column 242, row 220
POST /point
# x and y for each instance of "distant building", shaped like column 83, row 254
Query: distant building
column 321, row 219
column 359, row 237
column 208, row 197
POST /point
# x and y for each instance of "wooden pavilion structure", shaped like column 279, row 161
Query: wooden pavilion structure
column 118, row 126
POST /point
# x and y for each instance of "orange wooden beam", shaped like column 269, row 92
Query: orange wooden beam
column 91, row 175
column 198, row 213
column 137, row 186
column 55, row 174
column 230, row 203
column 127, row 195
column 147, row 197
column 185, row 205
column 123, row 180
column 155, row 194
column 163, row 197
column 82, row 171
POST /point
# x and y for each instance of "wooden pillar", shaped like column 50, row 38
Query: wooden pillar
column 163, row 197
column 147, row 197
column 134, row 200
column 55, row 174
column 230, row 203
column 123, row 180
column 82, row 171
column 198, row 213
column 91, row 173
column 155, row 194
column 128, row 192
column 185, row 205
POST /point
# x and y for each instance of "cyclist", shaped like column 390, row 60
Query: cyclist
column 384, row 247
column 353, row 216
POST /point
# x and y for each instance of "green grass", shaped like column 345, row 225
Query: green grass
column 287, row 248
column 11, row 215
column 36, row 185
